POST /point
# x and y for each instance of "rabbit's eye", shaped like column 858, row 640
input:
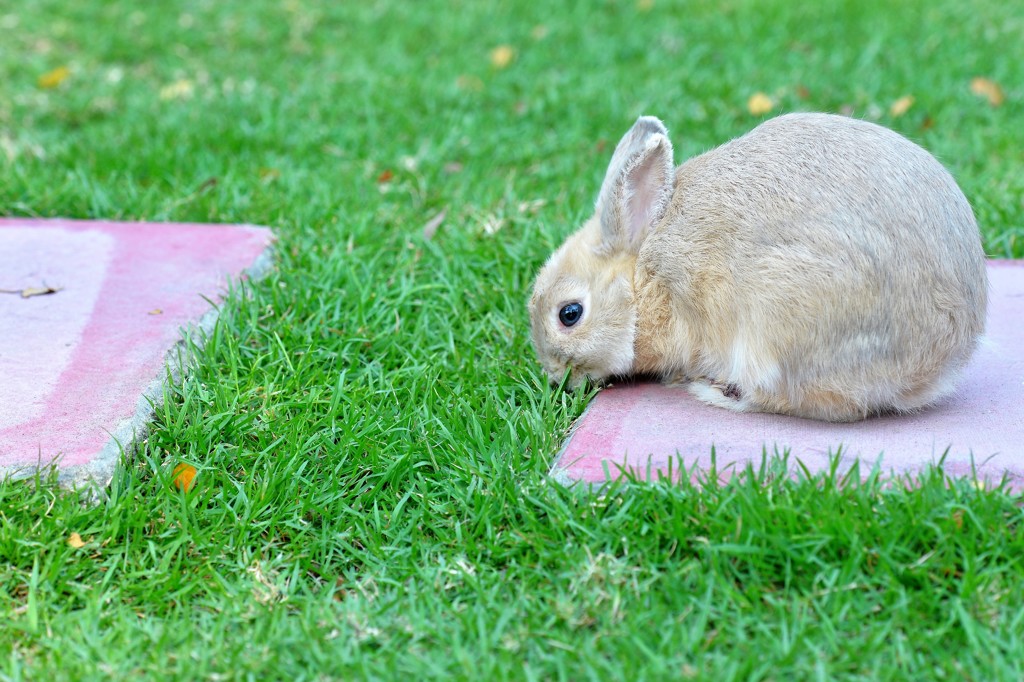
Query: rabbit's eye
column 570, row 314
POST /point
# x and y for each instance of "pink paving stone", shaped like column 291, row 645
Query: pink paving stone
column 645, row 427
column 80, row 367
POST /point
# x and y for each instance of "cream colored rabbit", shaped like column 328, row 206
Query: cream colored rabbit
column 818, row 266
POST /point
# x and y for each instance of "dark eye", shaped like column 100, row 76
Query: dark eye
column 570, row 314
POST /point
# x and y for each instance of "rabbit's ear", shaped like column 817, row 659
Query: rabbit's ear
column 637, row 187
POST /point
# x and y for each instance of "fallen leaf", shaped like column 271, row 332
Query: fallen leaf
column 502, row 56
column 983, row 87
column 928, row 123
column 13, row 147
column 802, row 92
column 759, row 104
column 431, row 227
column 385, row 176
column 184, row 477
column 901, row 106
column 493, row 224
column 531, row 207
column 29, row 292
column 179, row 89
column 52, row 79
column 75, row 541
column 155, row 311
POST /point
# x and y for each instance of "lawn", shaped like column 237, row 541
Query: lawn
column 371, row 431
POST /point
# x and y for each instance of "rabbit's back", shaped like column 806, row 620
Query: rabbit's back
column 819, row 254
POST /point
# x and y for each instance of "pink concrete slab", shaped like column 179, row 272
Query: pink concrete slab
column 81, row 367
column 644, row 427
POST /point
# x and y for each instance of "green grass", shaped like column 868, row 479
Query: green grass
column 371, row 431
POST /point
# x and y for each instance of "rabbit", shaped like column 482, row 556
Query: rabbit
column 818, row 266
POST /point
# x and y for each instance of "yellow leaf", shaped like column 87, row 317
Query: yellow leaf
column 502, row 56
column 268, row 175
column 184, row 477
column 983, row 87
column 52, row 79
column 75, row 541
column 179, row 89
column 645, row 5
column 759, row 104
column 29, row 292
column 900, row 106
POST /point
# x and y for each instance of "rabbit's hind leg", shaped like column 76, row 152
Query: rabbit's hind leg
column 720, row 394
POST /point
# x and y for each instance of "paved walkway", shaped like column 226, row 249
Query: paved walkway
column 643, row 427
column 89, row 314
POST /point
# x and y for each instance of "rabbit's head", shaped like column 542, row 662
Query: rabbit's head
column 582, row 313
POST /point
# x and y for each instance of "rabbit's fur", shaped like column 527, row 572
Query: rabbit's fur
column 818, row 266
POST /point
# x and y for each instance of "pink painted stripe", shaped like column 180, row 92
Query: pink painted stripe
column 74, row 364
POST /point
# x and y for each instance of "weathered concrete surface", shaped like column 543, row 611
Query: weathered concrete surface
column 80, row 368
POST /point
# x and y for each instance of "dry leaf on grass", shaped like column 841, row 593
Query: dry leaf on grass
column 531, row 207
column 52, row 79
column 493, row 224
column 184, row 477
column 430, row 229
column 901, row 106
column 989, row 89
column 75, row 541
column 502, row 56
column 759, row 104
column 179, row 89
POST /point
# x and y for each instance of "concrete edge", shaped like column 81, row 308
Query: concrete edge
column 130, row 434
column 559, row 471
column 980, row 472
